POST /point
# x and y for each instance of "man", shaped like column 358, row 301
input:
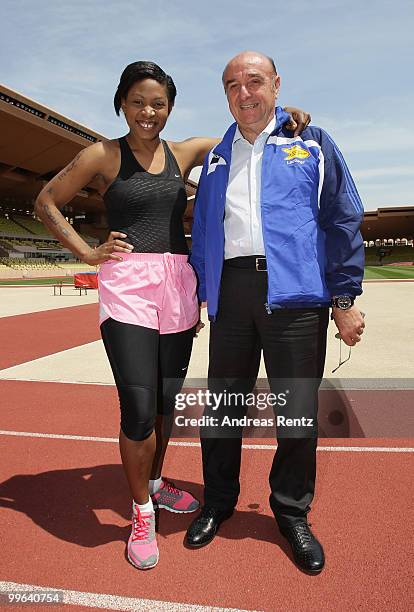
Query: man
column 276, row 241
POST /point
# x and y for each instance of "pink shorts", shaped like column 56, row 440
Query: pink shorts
column 155, row 290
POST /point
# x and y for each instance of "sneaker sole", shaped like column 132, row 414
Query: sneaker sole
column 163, row 507
column 143, row 568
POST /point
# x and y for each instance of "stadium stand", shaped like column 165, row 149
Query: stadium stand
column 383, row 255
column 23, row 245
column 29, row 264
column 7, row 226
column 34, row 267
column 33, row 226
column 76, row 267
column 32, row 249
column 28, row 225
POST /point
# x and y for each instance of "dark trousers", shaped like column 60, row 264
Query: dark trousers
column 294, row 345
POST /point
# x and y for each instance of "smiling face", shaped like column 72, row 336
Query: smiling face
column 251, row 87
column 146, row 108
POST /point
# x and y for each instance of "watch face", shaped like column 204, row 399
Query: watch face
column 344, row 302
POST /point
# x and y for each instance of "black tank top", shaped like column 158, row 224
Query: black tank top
column 148, row 207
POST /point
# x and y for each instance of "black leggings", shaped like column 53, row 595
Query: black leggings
column 149, row 369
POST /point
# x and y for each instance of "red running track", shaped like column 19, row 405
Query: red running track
column 65, row 517
column 30, row 336
column 65, row 505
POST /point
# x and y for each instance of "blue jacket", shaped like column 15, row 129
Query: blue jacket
column 311, row 214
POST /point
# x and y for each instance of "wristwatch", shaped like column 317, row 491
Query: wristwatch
column 343, row 302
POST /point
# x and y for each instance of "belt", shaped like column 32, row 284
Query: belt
column 251, row 262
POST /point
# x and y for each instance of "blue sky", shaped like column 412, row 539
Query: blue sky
column 349, row 63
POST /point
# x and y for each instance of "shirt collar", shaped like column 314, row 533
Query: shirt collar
column 266, row 132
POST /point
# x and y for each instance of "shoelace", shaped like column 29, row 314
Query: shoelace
column 140, row 526
column 171, row 488
column 303, row 533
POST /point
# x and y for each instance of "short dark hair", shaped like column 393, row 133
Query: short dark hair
column 138, row 71
column 271, row 60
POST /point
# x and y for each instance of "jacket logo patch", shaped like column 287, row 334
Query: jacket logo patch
column 296, row 154
column 214, row 161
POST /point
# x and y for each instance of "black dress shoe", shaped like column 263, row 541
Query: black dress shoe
column 203, row 529
column 307, row 551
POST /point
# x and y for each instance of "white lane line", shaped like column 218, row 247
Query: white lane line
column 31, row 434
column 113, row 602
column 343, row 449
column 344, row 385
column 44, row 380
column 346, row 449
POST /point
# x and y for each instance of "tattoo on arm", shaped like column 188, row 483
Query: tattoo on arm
column 56, row 222
column 69, row 168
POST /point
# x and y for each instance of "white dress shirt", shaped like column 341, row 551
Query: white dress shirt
column 243, row 220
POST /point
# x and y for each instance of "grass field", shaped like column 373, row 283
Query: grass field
column 391, row 272
column 66, row 280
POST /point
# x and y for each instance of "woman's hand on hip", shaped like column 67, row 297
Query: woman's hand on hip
column 109, row 249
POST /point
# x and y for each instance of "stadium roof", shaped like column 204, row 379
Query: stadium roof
column 395, row 222
column 36, row 142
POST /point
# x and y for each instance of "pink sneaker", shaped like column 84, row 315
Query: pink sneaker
column 142, row 544
column 173, row 499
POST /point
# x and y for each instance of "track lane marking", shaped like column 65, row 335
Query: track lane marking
column 345, row 449
column 346, row 384
column 44, row 380
column 114, row 602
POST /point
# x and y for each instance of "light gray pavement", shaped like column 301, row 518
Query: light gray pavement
column 386, row 351
column 23, row 300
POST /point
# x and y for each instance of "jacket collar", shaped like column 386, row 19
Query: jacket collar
column 224, row 148
column 266, row 132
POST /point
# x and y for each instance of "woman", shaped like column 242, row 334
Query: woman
column 148, row 307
